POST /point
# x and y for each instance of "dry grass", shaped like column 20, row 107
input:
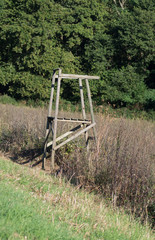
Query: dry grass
column 84, row 215
column 121, row 167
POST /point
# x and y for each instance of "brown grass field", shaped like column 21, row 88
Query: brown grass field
column 121, row 167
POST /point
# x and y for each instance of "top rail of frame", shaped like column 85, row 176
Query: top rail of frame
column 74, row 76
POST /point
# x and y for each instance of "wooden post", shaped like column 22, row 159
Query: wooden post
column 83, row 112
column 48, row 126
column 92, row 118
column 52, row 94
column 91, row 107
column 55, row 121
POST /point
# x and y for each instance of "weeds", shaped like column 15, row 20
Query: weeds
column 5, row 99
column 40, row 206
column 121, row 167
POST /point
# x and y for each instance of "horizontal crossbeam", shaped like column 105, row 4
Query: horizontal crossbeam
column 74, row 76
column 77, row 120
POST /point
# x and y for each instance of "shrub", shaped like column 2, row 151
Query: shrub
column 5, row 99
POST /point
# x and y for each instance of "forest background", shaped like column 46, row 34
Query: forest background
column 112, row 38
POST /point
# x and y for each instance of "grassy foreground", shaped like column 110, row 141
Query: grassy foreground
column 36, row 206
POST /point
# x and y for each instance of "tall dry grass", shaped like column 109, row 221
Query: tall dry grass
column 121, row 166
column 22, row 130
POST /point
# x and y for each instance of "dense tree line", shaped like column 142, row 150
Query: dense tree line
column 113, row 39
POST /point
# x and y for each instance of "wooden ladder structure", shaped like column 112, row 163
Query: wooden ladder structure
column 84, row 123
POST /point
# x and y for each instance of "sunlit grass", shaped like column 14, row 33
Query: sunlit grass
column 42, row 207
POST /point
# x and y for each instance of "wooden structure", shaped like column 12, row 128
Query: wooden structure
column 84, row 123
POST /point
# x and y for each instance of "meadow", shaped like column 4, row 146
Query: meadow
column 35, row 205
column 120, row 168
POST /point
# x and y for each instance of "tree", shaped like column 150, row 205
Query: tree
column 28, row 36
column 123, row 87
column 126, row 44
column 113, row 39
column 81, row 21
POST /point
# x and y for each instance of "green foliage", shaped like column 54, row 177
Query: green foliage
column 30, row 49
column 150, row 99
column 133, row 38
column 122, row 54
column 28, row 34
column 5, row 99
column 114, row 39
column 123, row 87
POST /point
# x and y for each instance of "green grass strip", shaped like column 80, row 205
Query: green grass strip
column 21, row 218
column 36, row 206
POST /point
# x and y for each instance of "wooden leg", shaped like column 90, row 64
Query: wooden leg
column 48, row 125
column 55, row 122
column 51, row 96
column 84, row 113
column 91, row 108
column 48, row 130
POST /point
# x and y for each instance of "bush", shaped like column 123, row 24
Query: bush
column 123, row 87
column 5, row 99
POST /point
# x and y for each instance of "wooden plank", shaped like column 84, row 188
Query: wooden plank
column 65, row 135
column 91, row 107
column 51, row 96
column 75, row 136
column 55, row 121
column 82, row 99
column 75, row 76
column 83, row 112
column 76, row 120
column 49, row 114
column 48, row 130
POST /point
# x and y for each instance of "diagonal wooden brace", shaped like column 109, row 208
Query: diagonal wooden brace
column 75, row 136
column 65, row 135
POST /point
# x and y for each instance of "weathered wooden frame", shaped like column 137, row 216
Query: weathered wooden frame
column 84, row 123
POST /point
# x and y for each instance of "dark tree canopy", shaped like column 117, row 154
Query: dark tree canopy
column 113, row 39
